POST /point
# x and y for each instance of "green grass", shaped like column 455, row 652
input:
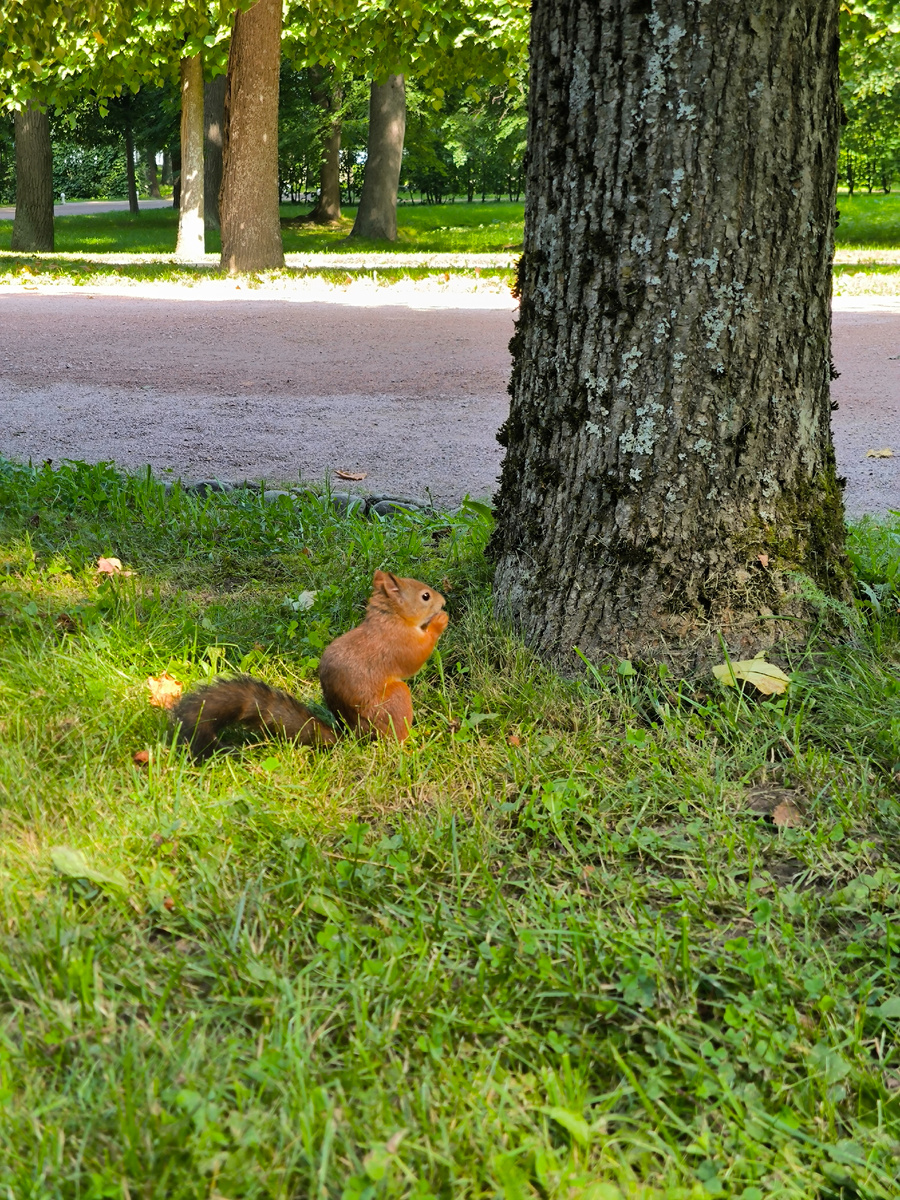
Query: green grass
column 457, row 228
column 868, row 222
column 94, row 273
column 544, row 949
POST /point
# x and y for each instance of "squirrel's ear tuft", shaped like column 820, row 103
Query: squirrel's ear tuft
column 387, row 582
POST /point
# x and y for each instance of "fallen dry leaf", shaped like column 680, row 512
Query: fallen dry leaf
column 164, row 690
column 764, row 559
column 779, row 805
column 352, row 476
column 514, row 740
column 765, row 676
column 141, row 757
column 168, row 903
column 111, row 566
column 787, row 815
column 765, row 799
column 393, row 1142
column 887, row 452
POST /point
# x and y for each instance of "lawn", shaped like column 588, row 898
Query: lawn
column 551, row 947
column 456, row 228
column 866, row 222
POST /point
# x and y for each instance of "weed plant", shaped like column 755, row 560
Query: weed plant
column 549, row 947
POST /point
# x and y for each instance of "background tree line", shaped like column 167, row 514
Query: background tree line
column 332, row 58
column 870, row 95
column 471, row 147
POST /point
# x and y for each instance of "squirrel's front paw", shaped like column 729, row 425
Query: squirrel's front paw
column 439, row 622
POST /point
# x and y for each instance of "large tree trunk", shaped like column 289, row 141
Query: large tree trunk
column 191, row 239
column 33, row 223
column 214, row 125
column 376, row 216
column 669, row 458
column 251, row 231
column 329, row 98
column 129, row 168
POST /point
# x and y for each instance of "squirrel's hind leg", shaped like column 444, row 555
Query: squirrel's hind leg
column 392, row 716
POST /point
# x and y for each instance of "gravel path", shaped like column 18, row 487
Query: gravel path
column 407, row 384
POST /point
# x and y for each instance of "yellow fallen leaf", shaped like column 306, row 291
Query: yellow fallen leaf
column 887, row 452
column 765, row 676
column 787, row 815
column 164, row 690
column 352, row 476
column 109, row 566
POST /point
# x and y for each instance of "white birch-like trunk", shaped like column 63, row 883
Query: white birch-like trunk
column 191, row 243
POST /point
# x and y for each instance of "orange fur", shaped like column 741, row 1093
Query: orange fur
column 362, row 674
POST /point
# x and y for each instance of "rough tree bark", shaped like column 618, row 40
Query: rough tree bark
column 214, row 128
column 129, row 168
column 669, row 458
column 248, row 205
column 152, row 175
column 191, row 242
column 328, row 96
column 33, row 222
column 176, row 176
column 376, row 216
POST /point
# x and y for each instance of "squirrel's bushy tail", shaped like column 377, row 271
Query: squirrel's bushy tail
column 202, row 715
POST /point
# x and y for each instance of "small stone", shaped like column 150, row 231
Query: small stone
column 271, row 496
column 407, row 501
column 346, row 503
column 204, row 486
column 387, row 508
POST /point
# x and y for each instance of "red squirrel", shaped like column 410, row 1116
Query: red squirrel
column 361, row 673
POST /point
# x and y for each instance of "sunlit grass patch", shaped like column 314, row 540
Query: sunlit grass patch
column 868, row 221
column 457, row 228
column 870, row 279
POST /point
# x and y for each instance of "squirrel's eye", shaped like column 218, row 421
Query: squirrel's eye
column 426, row 596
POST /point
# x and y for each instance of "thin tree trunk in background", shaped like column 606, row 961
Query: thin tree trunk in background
column 152, row 176
column 669, row 459
column 251, row 230
column 214, row 127
column 166, row 173
column 129, row 168
column 376, row 216
column 191, row 239
column 328, row 97
column 176, row 177
column 33, row 223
